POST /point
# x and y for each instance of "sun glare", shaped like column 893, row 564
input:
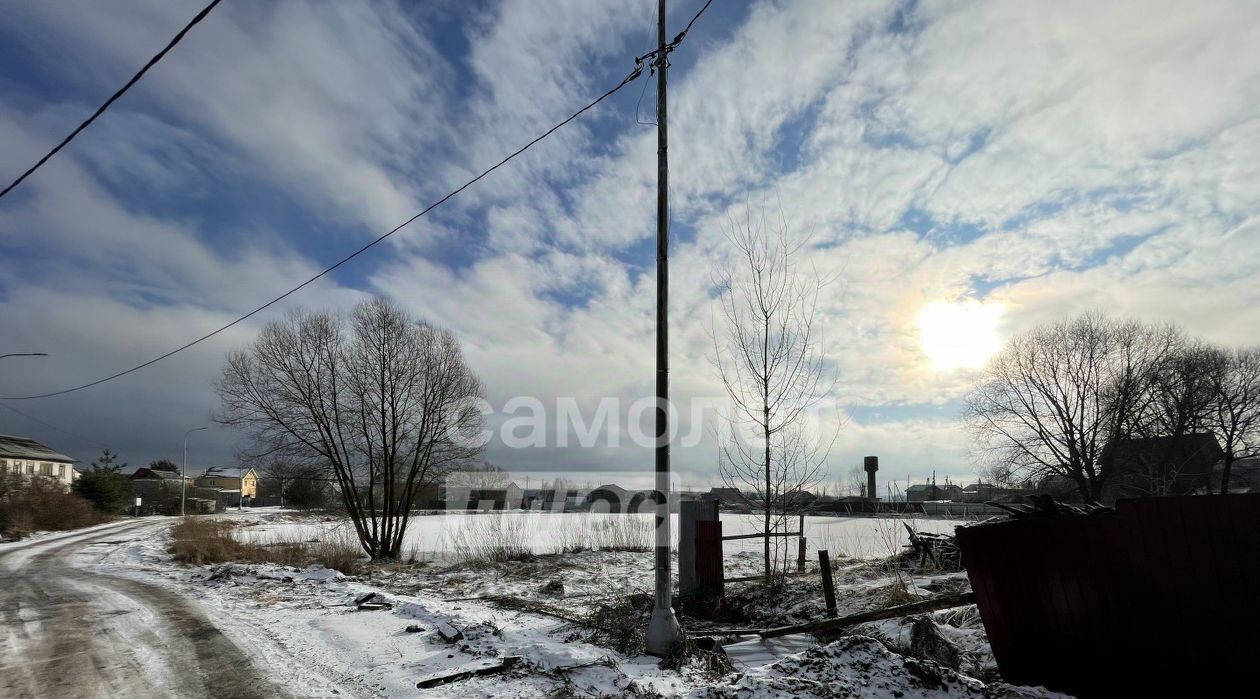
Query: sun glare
column 959, row 334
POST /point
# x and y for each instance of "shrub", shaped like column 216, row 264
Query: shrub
column 34, row 503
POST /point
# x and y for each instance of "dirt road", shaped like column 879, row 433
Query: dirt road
column 70, row 632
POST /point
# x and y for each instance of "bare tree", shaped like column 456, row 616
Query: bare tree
column 770, row 364
column 477, row 477
column 381, row 400
column 1053, row 400
column 1234, row 413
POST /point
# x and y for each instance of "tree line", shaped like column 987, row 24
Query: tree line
column 1060, row 398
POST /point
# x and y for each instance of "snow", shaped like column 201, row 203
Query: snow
column 435, row 537
column 857, row 666
column 306, row 630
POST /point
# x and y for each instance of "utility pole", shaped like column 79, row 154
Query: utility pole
column 663, row 631
column 183, row 471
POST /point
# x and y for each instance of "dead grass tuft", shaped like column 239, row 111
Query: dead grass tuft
column 203, row 541
column 618, row 622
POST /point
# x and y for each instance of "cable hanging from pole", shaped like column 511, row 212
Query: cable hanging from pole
column 630, row 77
column 101, row 110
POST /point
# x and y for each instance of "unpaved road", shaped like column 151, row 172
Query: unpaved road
column 69, row 632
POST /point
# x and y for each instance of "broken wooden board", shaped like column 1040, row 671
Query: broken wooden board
column 927, row 605
column 477, row 669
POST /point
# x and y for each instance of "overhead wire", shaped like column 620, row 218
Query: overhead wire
column 49, row 425
column 639, row 63
column 113, row 98
column 629, row 78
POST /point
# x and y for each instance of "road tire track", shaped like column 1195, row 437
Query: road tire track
column 72, row 633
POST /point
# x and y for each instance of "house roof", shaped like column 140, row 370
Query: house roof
column 227, row 472
column 146, row 472
column 12, row 447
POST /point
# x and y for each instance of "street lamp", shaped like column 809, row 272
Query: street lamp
column 183, row 471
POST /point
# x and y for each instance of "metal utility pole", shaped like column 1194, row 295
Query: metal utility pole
column 183, row 471
column 663, row 631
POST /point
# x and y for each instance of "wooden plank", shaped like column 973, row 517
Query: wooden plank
column 758, row 535
column 829, row 587
column 479, row 669
column 929, row 605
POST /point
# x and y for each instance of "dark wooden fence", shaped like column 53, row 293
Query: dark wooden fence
column 1160, row 598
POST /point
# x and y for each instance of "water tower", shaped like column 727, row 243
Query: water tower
column 870, row 464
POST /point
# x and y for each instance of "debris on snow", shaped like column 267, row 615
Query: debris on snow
column 478, row 669
column 449, row 634
column 859, row 666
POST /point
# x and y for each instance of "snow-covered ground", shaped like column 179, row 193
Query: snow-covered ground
column 439, row 535
column 304, row 628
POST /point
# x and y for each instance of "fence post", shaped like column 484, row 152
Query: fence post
column 829, row 588
column 800, row 544
column 690, row 514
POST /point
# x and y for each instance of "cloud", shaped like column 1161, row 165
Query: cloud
column 1052, row 157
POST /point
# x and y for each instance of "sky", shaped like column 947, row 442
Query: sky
column 962, row 171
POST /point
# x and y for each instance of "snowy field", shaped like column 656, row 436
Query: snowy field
column 440, row 536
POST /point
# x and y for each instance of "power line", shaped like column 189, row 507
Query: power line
column 629, row 78
column 101, row 110
column 49, row 425
column 633, row 75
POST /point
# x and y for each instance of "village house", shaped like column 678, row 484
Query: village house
column 928, row 492
column 28, row 457
column 235, row 480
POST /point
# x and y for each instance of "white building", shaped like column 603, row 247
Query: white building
column 30, row 458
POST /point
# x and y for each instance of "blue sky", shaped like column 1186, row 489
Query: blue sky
column 1039, row 159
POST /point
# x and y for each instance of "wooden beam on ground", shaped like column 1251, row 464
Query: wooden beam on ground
column 478, row 669
column 758, row 535
column 709, row 633
column 927, row 605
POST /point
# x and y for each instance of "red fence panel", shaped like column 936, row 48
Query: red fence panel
column 1158, row 598
column 709, row 573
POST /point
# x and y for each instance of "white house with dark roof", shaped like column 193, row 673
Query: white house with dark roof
column 27, row 457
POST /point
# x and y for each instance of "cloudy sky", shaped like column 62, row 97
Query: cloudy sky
column 966, row 169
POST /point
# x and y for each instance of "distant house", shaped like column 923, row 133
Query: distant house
column 927, row 492
column 145, row 473
column 729, row 498
column 608, row 498
column 1179, row 465
column 28, row 457
column 242, row 480
column 987, row 492
column 1244, row 476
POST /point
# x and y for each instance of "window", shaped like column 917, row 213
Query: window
column 45, row 469
column 61, row 470
column 30, row 468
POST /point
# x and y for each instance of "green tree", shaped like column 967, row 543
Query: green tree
column 164, row 465
column 106, row 462
column 107, row 490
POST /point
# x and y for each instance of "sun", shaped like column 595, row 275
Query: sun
column 959, row 334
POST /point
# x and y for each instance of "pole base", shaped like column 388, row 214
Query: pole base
column 663, row 633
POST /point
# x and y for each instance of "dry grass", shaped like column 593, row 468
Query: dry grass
column 608, row 533
column 202, row 541
column 489, row 539
column 618, row 622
